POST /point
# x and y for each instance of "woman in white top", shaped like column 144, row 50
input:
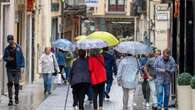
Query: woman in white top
column 48, row 65
column 127, row 78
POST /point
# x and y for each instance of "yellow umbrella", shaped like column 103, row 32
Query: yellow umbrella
column 105, row 36
column 81, row 37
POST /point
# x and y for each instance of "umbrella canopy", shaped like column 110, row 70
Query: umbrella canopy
column 64, row 44
column 81, row 37
column 105, row 36
column 90, row 44
column 132, row 47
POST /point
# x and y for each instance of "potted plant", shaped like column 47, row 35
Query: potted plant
column 193, row 92
column 184, row 91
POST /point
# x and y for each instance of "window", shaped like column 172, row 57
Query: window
column 116, row 5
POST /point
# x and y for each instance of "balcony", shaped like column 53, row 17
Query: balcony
column 116, row 7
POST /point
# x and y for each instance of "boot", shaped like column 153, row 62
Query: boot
column 9, row 85
column 17, row 87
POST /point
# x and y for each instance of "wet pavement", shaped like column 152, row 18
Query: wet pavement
column 30, row 97
column 56, row 101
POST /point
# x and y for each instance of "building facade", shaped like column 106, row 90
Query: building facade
column 73, row 12
column 116, row 17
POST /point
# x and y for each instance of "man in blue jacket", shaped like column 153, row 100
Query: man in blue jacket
column 14, row 59
column 111, row 68
column 165, row 67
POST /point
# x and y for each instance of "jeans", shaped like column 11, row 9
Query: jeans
column 47, row 78
column 79, row 91
column 67, row 71
column 108, row 86
column 98, row 90
column 128, row 96
column 153, row 92
column 163, row 90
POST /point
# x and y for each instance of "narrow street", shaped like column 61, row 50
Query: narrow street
column 32, row 98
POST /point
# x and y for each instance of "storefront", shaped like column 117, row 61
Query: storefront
column 184, row 36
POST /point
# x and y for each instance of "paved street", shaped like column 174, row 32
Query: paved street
column 57, row 99
column 30, row 97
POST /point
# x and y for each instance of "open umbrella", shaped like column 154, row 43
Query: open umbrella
column 91, row 44
column 132, row 47
column 81, row 37
column 64, row 44
column 105, row 36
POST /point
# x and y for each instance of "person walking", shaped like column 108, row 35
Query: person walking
column 127, row 78
column 151, row 75
column 80, row 79
column 48, row 65
column 13, row 56
column 98, row 77
column 165, row 66
column 145, row 84
column 111, row 68
column 60, row 56
column 68, row 59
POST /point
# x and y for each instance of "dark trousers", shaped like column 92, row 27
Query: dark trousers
column 98, row 90
column 79, row 91
column 90, row 92
column 61, row 71
column 108, row 85
column 13, row 76
column 146, row 90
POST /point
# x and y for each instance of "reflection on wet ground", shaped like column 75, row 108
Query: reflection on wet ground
column 30, row 97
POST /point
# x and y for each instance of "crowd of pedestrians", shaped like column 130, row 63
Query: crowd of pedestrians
column 91, row 72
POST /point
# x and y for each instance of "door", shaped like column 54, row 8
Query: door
column 5, row 7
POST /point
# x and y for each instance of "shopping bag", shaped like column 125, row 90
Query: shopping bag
column 58, row 79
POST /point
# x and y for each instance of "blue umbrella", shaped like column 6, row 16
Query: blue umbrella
column 64, row 44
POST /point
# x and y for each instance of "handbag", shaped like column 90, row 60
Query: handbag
column 55, row 70
column 58, row 79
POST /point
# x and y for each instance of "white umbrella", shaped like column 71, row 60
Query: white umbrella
column 132, row 47
column 90, row 44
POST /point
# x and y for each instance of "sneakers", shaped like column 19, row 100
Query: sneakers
column 147, row 104
column 100, row 108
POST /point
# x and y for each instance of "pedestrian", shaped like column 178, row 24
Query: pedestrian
column 151, row 75
column 68, row 59
column 48, row 66
column 145, row 84
column 80, row 79
column 111, row 68
column 60, row 56
column 165, row 66
column 14, row 59
column 98, row 77
column 127, row 78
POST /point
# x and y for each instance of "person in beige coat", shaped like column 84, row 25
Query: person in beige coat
column 48, row 64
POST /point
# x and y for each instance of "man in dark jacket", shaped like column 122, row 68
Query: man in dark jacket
column 111, row 68
column 14, row 59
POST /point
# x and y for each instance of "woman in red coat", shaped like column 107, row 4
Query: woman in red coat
column 98, row 77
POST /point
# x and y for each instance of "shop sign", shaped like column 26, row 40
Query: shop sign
column 91, row 3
